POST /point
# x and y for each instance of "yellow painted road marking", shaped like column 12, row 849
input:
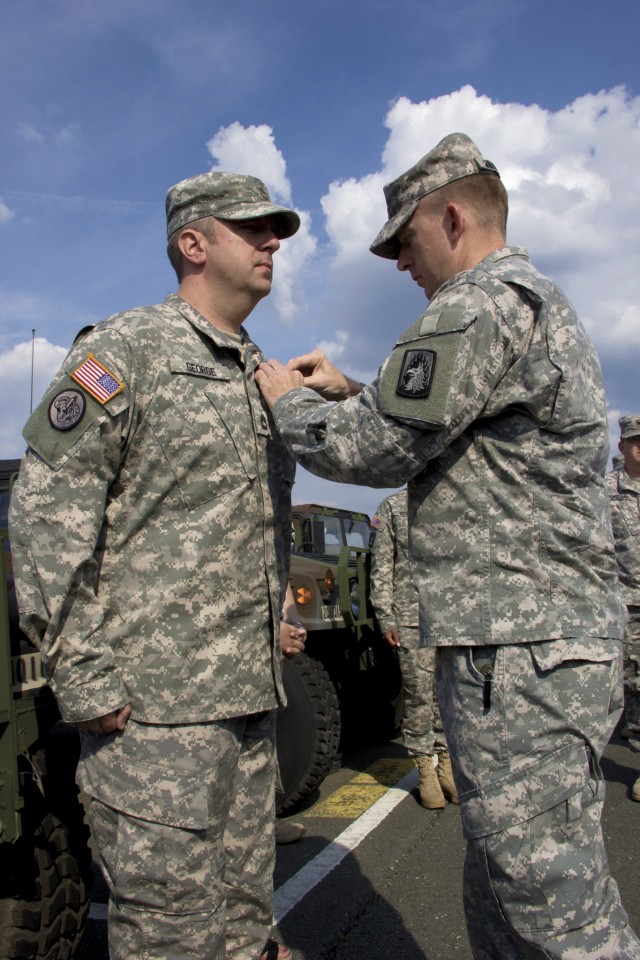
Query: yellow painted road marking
column 350, row 801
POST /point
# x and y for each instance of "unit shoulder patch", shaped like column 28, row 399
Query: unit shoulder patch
column 67, row 409
column 94, row 377
column 416, row 380
column 416, row 373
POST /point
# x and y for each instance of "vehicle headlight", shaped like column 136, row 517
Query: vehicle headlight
column 327, row 585
column 303, row 596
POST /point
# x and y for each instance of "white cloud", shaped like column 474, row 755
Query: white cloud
column 343, row 353
column 29, row 133
column 67, row 136
column 289, row 267
column 15, row 389
column 252, row 150
column 6, row 213
column 335, row 349
column 355, row 211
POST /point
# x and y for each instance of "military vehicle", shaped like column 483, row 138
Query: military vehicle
column 346, row 686
column 44, row 854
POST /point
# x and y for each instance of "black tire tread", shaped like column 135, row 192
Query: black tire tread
column 46, row 922
column 324, row 712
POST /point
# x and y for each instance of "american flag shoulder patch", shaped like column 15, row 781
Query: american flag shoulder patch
column 376, row 521
column 97, row 380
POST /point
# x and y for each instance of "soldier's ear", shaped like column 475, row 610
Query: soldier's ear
column 454, row 222
column 192, row 246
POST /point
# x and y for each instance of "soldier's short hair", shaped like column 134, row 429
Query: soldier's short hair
column 483, row 192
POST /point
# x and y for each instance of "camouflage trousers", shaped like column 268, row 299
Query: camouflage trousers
column 183, row 818
column 526, row 751
column 422, row 732
column 632, row 677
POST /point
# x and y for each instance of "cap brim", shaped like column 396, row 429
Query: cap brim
column 288, row 219
column 386, row 244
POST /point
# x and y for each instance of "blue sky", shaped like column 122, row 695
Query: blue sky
column 105, row 106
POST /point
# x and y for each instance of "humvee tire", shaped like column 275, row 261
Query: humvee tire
column 44, row 891
column 308, row 730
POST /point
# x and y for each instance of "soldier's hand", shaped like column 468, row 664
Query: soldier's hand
column 112, row 722
column 274, row 380
column 392, row 637
column 321, row 375
column 292, row 638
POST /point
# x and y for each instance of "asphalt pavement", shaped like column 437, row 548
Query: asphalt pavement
column 377, row 876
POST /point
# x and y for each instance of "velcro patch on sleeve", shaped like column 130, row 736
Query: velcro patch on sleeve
column 64, row 419
column 94, row 377
column 417, row 379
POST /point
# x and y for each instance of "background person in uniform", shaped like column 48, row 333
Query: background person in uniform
column 395, row 601
column 623, row 485
column 150, row 530
column 492, row 406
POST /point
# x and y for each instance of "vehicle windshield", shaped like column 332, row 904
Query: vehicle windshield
column 357, row 533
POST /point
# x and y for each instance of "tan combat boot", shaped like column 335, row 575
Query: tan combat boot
column 445, row 776
column 635, row 790
column 288, row 831
column 431, row 795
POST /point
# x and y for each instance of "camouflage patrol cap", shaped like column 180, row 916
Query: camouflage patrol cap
column 629, row 426
column 452, row 159
column 227, row 196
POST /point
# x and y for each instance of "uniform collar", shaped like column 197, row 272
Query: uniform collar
column 484, row 264
column 502, row 254
column 625, row 482
column 196, row 319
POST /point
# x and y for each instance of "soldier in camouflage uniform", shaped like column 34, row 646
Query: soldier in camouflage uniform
column 623, row 485
column 492, row 407
column 150, row 530
column 395, row 601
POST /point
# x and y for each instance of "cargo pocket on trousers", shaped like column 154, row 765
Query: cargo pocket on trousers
column 548, row 872
column 152, row 828
column 156, row 866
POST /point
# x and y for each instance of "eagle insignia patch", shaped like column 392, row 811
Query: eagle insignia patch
column 416, row 374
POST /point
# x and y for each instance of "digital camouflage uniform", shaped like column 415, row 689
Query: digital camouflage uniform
column 492, row 407
column 150, row 531
column 624, row 496
column 395, row 601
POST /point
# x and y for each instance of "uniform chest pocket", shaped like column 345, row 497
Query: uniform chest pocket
column 207, row 448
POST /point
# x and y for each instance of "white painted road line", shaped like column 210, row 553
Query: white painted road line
column 298, row 886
